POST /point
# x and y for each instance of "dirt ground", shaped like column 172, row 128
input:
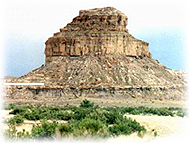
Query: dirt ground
column 107, row 102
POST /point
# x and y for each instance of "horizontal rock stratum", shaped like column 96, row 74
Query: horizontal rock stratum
column 95, row 56
column 97, row 31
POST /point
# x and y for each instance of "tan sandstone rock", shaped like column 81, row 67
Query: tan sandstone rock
column 96, row 31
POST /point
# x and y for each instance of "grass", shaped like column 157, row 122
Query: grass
column 87, row 120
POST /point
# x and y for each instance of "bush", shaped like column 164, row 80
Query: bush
column 34, row 115
column 119, row 129
column 84, row 121
column 81, row 113
column 17, row 110
column 92, row 126
column 89, row 128
column 64, row 129
column 18, row 119
column 181, row 113
column 9, row 107
column 64, row 116
column 112, row 117
column 146, row 110
column 97, row 115
column 126, row 126
column 86, row 104
column 45, row 130
column 165, row 112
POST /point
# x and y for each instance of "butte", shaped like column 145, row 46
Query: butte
column 95, row 56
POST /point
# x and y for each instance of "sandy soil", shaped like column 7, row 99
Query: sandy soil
column 164, row 126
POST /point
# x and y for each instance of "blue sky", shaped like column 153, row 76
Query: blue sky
column 27, row 25
column 167, row 46
column 23, row 54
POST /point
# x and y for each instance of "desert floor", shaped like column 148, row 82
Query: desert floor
column 158, row 127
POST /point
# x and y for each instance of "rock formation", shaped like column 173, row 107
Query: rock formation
column 95, row 56
column 97, row 31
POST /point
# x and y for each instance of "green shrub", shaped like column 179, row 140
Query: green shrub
column 64, row 129
column 17, row 110
column 9, row 107
column 81, row 113
column 97, row 115
column 92, row 126
column 181, row 113
column 34, row 115
column 64, row 116
column 155, row 133
column 86, row 104
column 165, row 112
column 127, row 110
column 119, row 129
column 146, row 110
column 126, row 126
column 54, row 108
column 89, row 128
column 18, row 119
column 112, row 117
column 86, row 120
column 45, row 130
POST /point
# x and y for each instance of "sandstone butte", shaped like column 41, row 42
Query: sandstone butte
column 95, row 56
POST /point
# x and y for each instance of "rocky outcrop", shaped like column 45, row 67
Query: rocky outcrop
column 97, row 31
column 95, row 56
column 102, row 76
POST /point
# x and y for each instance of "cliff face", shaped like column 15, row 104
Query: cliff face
column 95, row 56
column 97, row 31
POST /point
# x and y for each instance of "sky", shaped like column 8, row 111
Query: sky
column 28, row 24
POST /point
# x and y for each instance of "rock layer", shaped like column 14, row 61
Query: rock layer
column 97, row 31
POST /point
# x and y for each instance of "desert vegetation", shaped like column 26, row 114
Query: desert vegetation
column 85, row 121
